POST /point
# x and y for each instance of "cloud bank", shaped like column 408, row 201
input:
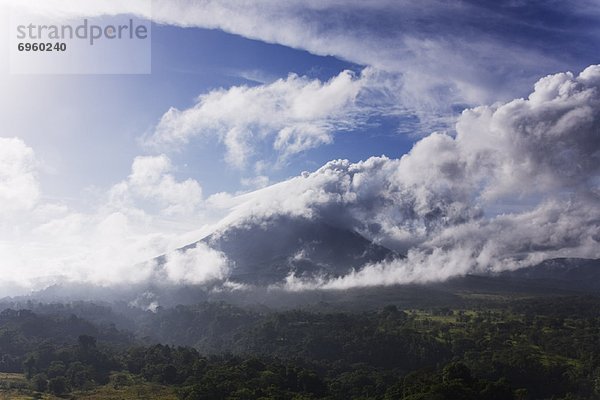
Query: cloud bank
column 43, row 241
column 518, row 183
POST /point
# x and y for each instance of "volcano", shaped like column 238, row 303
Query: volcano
column 263, row 252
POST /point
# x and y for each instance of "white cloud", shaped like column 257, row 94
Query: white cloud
column 294, row 114
column 256, row 182
column 151, row 180
column 444, row 53
column 550, row 140
column 505, row 242
column 148, row 214
column 19, row 187
column 200, row 264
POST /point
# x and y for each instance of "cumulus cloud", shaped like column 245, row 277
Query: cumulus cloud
column 292, row 114
column 151, row 180
column 19, row 187
column 549, row 141
column 381, row 198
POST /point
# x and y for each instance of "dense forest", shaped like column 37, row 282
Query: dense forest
column 538, row 348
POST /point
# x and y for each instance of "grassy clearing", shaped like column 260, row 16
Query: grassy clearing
column 16, row 387
column 10, row 378
column 26, row 395
column 137, row 391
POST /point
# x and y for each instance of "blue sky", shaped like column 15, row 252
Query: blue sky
column 245, row 96
column 83, row 120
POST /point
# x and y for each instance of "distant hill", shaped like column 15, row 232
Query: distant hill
column 575, row 274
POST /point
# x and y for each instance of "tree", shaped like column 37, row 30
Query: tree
column 87, row 342
column 57, row 385
column 121, row 380
column 56, row 369
column 78, row 374
column 456, row 372
column 29, row 365
column 39, row 382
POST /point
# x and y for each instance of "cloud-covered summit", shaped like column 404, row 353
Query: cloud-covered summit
column 519, row 183
column 517, row 154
